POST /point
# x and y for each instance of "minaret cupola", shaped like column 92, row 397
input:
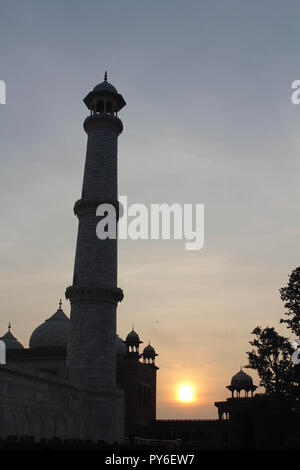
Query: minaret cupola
column 149, row 354
column 104, row 99
column 132, row 342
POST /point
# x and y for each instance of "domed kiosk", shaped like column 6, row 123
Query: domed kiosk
column 132, row 342
column 241, row 381
column 149, row 354
column 236, row 403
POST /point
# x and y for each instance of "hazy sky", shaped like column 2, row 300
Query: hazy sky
column 208, row 120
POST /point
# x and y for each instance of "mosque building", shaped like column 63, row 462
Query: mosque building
column 66, row 383
column 46, row 358
column 78, row 379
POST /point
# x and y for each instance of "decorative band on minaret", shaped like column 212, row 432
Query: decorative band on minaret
column 94, row 293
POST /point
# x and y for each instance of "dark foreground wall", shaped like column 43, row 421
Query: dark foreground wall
column 53, row 407
column 207, row 433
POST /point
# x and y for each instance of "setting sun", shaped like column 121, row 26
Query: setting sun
column 185, row 393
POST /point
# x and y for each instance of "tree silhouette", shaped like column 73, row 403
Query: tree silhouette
column 271, row 358
column 291, row 298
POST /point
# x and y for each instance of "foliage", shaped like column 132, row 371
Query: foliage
column 290, row 295
column 271, row 358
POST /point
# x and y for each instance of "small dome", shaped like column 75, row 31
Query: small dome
column 149, row 351
column 53, row 332
column 120, row 345
column 133, row 338
column 10, row 341
column 241, row 379
column 105, row 86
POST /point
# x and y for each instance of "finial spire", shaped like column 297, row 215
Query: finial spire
column 132, row 327
column 105, row 76
column 9, row 326
column 60, row 303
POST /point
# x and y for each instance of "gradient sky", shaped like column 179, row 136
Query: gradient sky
column 208, row 119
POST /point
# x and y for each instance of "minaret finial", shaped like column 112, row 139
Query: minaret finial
column 60, row 303
column 105, row 76
column 9, row 326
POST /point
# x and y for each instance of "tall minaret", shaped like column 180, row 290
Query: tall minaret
column 94, row 294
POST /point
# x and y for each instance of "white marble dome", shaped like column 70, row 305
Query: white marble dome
column 105, row 86
column 52, row 333
column 11, row 341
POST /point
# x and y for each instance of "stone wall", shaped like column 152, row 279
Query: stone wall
column 42, row 407
column 138, row 381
